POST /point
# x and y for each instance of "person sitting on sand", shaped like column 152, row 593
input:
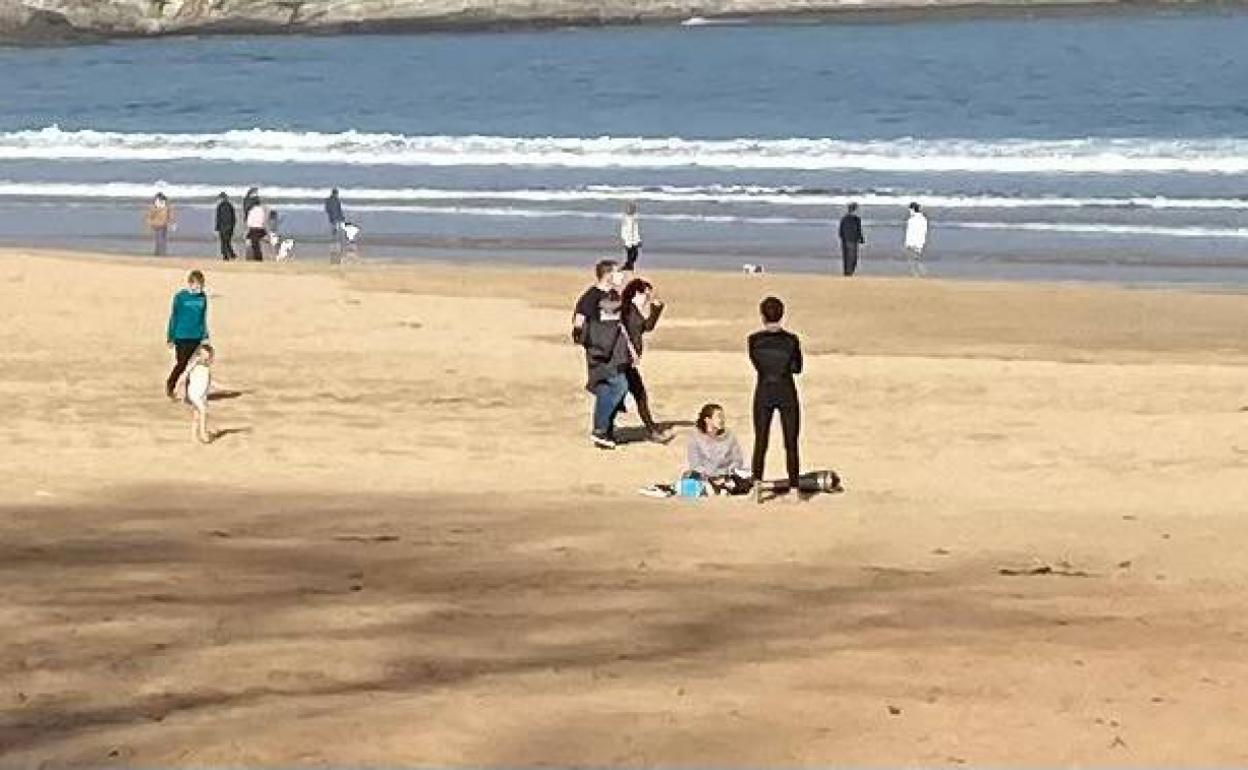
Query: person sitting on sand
column 639, row 313
column 715, row 462
column 714, row 455
column 194, row 386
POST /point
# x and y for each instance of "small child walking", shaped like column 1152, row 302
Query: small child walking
column 195, row 385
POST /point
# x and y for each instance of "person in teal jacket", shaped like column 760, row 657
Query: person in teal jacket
column 188, row 326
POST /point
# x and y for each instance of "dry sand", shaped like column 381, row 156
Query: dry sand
column 404, row 552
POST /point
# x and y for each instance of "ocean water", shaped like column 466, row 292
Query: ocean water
column 1110, row 147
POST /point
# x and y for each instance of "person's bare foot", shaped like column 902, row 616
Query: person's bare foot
column 661, row 436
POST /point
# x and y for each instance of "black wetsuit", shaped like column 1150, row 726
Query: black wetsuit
column 777, row 356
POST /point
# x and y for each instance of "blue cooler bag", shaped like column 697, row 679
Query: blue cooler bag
column 687, row 487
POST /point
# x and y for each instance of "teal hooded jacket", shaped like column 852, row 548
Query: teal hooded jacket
column 188, row 320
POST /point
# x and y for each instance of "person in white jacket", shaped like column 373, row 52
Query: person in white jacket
column 630, row 234
column 257, row 221
column 916, row 240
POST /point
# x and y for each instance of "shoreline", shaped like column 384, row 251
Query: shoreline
column 51, row 28
column 1199, row 277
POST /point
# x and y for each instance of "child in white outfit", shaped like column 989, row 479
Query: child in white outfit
column 195, row 384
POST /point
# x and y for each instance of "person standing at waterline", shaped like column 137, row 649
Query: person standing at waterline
column 225, row 223
column 916, row 240
column 851, row 238
column 257, row 221
column 188, row 326
column 630, row 234
column 333, row 212
column 160, row 219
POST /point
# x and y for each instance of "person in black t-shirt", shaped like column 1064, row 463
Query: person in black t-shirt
column 777, row 357
column 596, row 327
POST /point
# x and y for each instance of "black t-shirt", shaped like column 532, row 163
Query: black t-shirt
column 600, row 305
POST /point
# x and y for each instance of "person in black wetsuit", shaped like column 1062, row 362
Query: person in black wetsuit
column 777, row 357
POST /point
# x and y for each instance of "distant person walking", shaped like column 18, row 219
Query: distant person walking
column 851, row 239
column 257, row 221
column 226, row 221
column 916, row 240
column 159, row 220
column 337, row 221
column 777, row 358
column 630, row 235
column 188, row 326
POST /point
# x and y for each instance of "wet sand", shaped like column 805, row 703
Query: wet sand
column 403, row 552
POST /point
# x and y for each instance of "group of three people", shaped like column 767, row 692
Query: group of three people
column 609, row 322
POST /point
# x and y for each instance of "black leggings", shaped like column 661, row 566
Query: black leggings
column 769, row 397
column 183, row 350
column 637, row 388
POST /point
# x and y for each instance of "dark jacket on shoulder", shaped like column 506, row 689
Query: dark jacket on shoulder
column 225, row 217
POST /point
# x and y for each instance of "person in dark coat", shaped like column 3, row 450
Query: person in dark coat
column 226, row 221
column 851, row 239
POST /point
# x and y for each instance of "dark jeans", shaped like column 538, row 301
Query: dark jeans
column 630, row 256
column 255, row 236
column 183, row 350
column 227, row 246
column 162, row 241
column 768, row 398
column 849, row 256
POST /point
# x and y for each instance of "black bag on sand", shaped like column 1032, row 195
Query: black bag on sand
column 819, row 481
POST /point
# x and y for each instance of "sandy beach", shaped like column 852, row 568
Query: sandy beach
column 403, row 551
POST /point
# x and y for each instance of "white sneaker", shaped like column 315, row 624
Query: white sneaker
column 602, row 442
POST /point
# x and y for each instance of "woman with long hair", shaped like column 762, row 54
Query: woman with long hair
column 639, row 313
